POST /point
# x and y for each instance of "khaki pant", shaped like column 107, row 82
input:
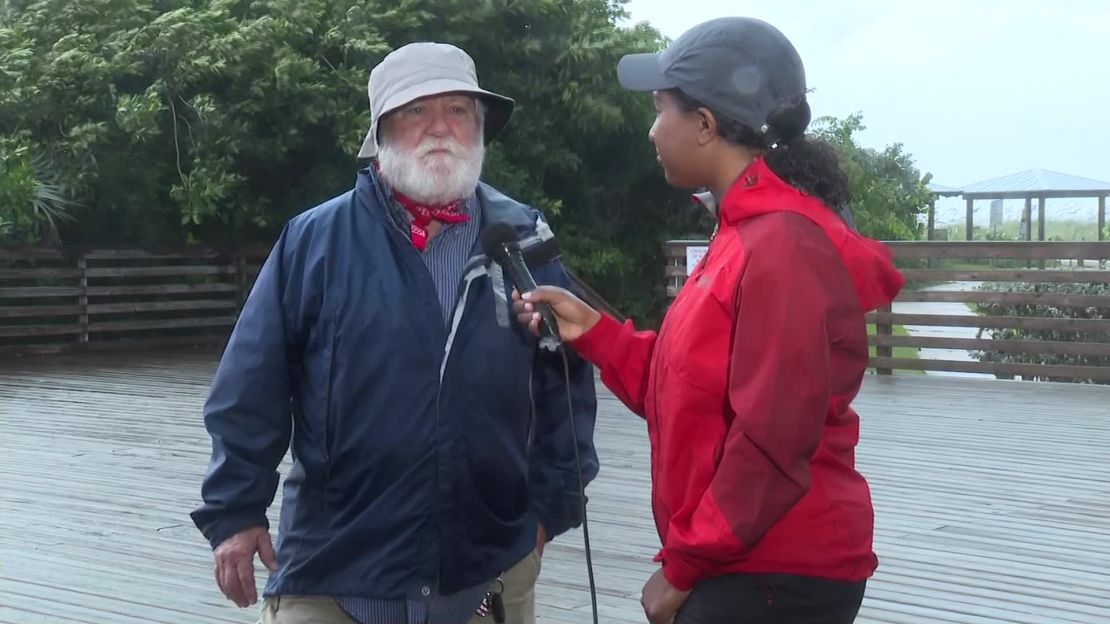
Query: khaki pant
column 520, row 593
column 519, row 598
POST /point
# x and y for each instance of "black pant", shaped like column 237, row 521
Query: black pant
column 772, row 599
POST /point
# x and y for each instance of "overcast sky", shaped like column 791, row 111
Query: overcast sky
column 973, row 89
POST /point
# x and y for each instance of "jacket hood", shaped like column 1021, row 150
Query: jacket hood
column 759, row 191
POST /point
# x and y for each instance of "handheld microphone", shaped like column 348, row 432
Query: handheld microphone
column 500, row 242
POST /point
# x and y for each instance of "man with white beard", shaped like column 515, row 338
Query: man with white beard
column 433, row 447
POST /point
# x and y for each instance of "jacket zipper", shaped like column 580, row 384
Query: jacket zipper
column 472, row 272
column 327, row 425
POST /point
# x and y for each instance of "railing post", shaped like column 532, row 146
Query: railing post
column 884, row 327
column 83, row 298
column 240, row 278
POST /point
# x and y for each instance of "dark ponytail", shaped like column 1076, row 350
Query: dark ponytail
column 806, row 163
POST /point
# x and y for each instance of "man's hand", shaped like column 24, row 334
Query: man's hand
column 541, row 539
column 235, row 563
column 661, row 600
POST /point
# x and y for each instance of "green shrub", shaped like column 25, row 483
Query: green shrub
column 1046, row 311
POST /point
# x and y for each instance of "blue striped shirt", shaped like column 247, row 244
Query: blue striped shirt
column 445, row 256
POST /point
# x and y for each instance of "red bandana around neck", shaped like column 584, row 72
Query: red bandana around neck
column 424, row 214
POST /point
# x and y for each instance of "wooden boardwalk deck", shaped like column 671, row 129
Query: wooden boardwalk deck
column 993, row 500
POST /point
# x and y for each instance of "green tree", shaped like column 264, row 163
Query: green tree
column 214, row 121
column 889, row 194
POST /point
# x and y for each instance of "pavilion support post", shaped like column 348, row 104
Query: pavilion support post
column 1040, row 222
column 1027, row 225
column 970, row 219
column 1102, row 217
column 1040, row 218
column 932, row 223
column 1027, row 219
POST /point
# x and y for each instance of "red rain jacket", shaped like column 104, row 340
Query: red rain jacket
column 747, row 388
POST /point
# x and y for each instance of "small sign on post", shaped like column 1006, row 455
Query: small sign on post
column 996, row 216
column 694, row 255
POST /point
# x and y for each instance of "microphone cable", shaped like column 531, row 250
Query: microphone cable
column 581, row 483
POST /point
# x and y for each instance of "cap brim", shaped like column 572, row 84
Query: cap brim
column 499, row 109
column 640, row 72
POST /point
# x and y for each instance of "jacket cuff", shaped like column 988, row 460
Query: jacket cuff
column 558, row 514
column 596, row 344
column 219, row 530
column 679, row 572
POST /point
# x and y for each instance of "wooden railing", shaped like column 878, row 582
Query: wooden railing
column 1019, row 319
column 105, row 299
column 75, row 299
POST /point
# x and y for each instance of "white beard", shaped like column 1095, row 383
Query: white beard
column 434, row 179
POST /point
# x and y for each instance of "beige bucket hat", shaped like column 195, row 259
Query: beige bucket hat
column 423, row 69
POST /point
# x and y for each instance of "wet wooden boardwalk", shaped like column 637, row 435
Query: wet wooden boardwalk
column 993, row 500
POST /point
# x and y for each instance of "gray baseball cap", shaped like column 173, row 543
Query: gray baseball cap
column 420, row 70
column 739, row 66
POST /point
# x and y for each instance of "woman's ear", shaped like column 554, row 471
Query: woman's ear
column 707, row 126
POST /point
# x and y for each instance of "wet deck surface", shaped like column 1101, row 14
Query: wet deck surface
column 992, row 500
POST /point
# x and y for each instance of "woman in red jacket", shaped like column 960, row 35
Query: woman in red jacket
column 747, row 386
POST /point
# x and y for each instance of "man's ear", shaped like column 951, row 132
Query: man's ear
column 707, row 126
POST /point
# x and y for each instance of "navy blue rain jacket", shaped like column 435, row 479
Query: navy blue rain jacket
column 424, row 453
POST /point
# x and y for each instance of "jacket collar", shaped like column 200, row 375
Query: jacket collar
column 758, row 191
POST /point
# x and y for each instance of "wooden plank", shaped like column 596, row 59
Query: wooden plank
column 1063, row 300
column 145, row 254
column 199, row 338
column 1097, row 373
column 993, row 322
column 1033, row 347
column 161, row 289
column 21, row 331
column 162, row 306
column 39, row 311
column 123, row 326
column 30, row 253
column 161, row 271
column 1003, row 275
column 205, row 337
column 1018, row 250
column 34, row 292
column 43, row 348
column 39, row 273
column 255, row 250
